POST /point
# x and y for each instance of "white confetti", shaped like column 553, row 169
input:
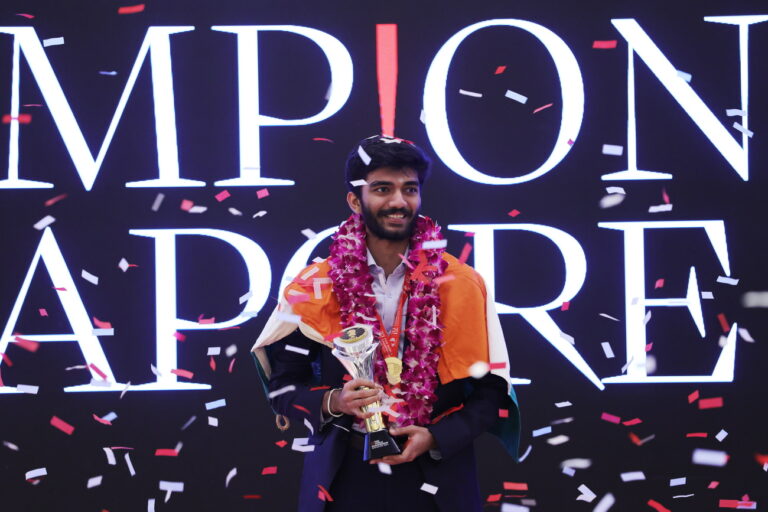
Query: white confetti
column 727, row 280
column 289, row 317
column 222, row 402
column 470, row 93
column 358, row 183
column 422, row 117
column 610, row 149
column 231, row 350
column 189, row 422
column 155, row 370
column 110, row 456
column 298, row 350
column 721, row 435
column 10, row 446
column 542, row 431
column 586, row 494
column 744, row 333
column 556, row 440
column 384, row 468
column 308, row 233
column 685, row 76
column 235, row 211
column 309, row 426
column 660, row 208
column 35, row 473
column 560, row 405
column 431, row 489
column 479, row 369
column 363, row 155
column 707, row 295
column 94, row 481
column 125, row 389
column 561, row 421
column 151, row 505
column 576, row 463
column 245, row 297
column 745, row 131
column 755, row 300
column 605, row 503
column 515, row 96
column 76, row 367
column 158, row 201
column 89, row 277
column 735, row 112
column 282, row 391
column 567, row 337
column 103, row 332
column 301, row 444
column 674, row 482
column 608, row 350
column 705, row 457
column 213, row 421
column 611, row 200
column 526, row 453
column 44, row 222
column 512, row 507
column 232, row 474
column 647, row 317
column 632, row 476
column 567, row 470
column 213, row 351
column 123, row 264
column 128, row 463
column 609, row 317
column 110, row 416
column 170, row 487
column 108, row 73
column 434, row 244
column 53, row 41
column 260, row 213
column 198, row 209
column 615, row 190
column 28, row 389
column 683, row 495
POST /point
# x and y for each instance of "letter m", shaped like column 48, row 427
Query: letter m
column 157, row 44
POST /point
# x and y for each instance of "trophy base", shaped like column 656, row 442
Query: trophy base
column 379, row 444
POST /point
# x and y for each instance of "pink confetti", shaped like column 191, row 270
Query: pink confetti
column 664, row 195
column 22, row 118
column 54, row 200
column 604, row 45
column 166, row 452
column 497, row 366
column 222, row 195
column 297, row 298
column 25, row 15
column 713, row 484
column 100, row 324
column 693, row 396
column 658, row 506
column 465, row 253
column 648, row 346
column 186, row 205
column 503, row 413
column 182, row 373
column 515, row 486
column 130, row 9
column 634, row 421
column 322, row 139
column 269, row 470
column 28, row 345
column 261, row 194
column 659, row 284
column 742, row 504
column 570, row 142
column 696, row 434
column 711, row 403
column 514, row 213
column 492, row 498
column 443, row 278
column 102, row 421
column 6, row 359
column 98, row 371
column 62, row 425
column 231, row 365
column 500, row 70
column 202, row 320
column 212, row 363
column 542, row 108
column 566, row 305
column 610, row 418
column 179, row 336
column 282, row 443
column 42, row 312
column 323, row 494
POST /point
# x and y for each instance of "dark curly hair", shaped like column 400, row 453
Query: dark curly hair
column 385, row 152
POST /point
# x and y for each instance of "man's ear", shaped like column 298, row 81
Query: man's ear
column 354, row 202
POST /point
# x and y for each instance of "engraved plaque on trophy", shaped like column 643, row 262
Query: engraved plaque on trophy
column 356, row 350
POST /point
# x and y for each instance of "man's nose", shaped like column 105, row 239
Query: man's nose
column 397, row 200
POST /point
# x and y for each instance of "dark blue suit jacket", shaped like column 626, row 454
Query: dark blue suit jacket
column 455, row 474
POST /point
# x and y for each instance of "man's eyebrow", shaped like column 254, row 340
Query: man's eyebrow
column 379, row 183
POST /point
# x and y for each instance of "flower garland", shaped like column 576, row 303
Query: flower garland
column 352, row 284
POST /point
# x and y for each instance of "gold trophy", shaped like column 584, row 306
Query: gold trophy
column 356, row 350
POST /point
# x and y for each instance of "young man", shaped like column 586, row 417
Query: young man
column 434, row 321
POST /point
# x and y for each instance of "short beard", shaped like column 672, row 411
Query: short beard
column 373, row 225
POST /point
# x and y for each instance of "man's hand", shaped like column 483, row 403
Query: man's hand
column 350, row 399
column 419, row 440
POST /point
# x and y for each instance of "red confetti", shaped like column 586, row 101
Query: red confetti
column 723, row 322
column 713, row 484
column 186, row 205
column 542, row 108
column 322, row 139
column 469, row 233
column 25, row 15
column 515, row 486
column 98, row 371
column 659, row 284
column 494, row 498
column 323, row 494
column 604, row 45
column 130, row 9
column 222, row 195
column 101, row 325
column 301, row 408
column 636, row 440
column 54, row 200
column 610, row 418
column 6, row 359
column 443, row 278
column 212, row 363
column 103, row 422
column 166, row 452
column 693, row 396
column 629, row 423
column 500, row 70
column 566, row 306
column 696, row 434
column 22, row 119
column 503, row 413
column 269, row 470
column 497, row 366
column 318, row 388
column 261, row 194
column 231, row 365
column 179, row 336
column 514, row 213
column 465, row 253
column 60, row 288
column 761, row 459
column 182, row 373
column 658, row 506
column 742, row 504
column 711, row 403
column 42, row 312
column 251, row 496
column 347, row 377
column 28, row 345
column 62, row 425
column 282, row 443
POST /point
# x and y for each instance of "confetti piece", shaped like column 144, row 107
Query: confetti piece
column 706, row 457
column 542, row 431
column 213, row 422
column 723, row 322
column 514, row 213
column 503, row 413
column 613, row 150
column 44, row 222
column 94, row 482
column 543, row 107
column 711, row 403
column 499, row 70
column 35, row 473
column 232, row 474
column 158, row 201
column 28, row 345
column 166, row 452
column 431, row 489
column 696, row 434
column 610, row 418
column 130, row 9
column 323, row 494
column 10, row 446
column 213, row 351
column 658, row 506
column 660, row 208
column 221, row 196
column 659, row 284
column 230, row 350
column 54, row 200
column 26, row 388
column 290, row 318
column 607, row 350
column 53, row 41
column 260, row 213
column 186, row 205
column 444, row 278
column 515, row 96
column 434, row 244
column 632, row 422
column 557, row 440
column 202, row 320
column 685, row 76
column 569, row 471
column 568, row 338
column 198, row 209
column 384, row 468
column 748, row 133
column 565, row 306
column 479, row 369
column 693, row 396
column 739, row 504
column 308, row 233
column 170, row 487
column 604, row 45
column 586, row 494
column 526, row 453
column 363, row 155
column 498, row 366
column 62, row 425
column 301, row 408
column 609, row 317
column 605, row 503
column 183, row 373
column 727, row 280
column 511, row 507
column 298, row 350
column 469, row 93
column 675, row 482
column 269, row 470
column 744, row 333
column 235, row 211
column 560, row 405
column 358, row 183
column 301, row 444
column 21, row 118
column 215, row 404
column 322, row 139
column 632, row 476
column 262, row 193
column 611, row 200
column 25, row 15
column 735, row 112
column 108, row 73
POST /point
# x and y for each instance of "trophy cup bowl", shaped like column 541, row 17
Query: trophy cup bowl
column 356, row 350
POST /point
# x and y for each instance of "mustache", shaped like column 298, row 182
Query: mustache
column 394, row 211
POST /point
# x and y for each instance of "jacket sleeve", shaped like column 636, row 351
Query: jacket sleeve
column 291, row 360
column 480, row 411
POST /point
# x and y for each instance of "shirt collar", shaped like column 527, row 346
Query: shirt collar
column 372, row 265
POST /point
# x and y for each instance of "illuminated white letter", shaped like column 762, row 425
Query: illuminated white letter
column 157, row 43
column 82, row 330
column 251, row 119
column 638, row 41
column 436, row 116
column 300, row 258
column 575, row 272
column 636, row 301
column 166, row 321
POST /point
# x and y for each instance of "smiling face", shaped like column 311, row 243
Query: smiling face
column 389, row 203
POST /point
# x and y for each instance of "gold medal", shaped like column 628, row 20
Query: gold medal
column 394, row 369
